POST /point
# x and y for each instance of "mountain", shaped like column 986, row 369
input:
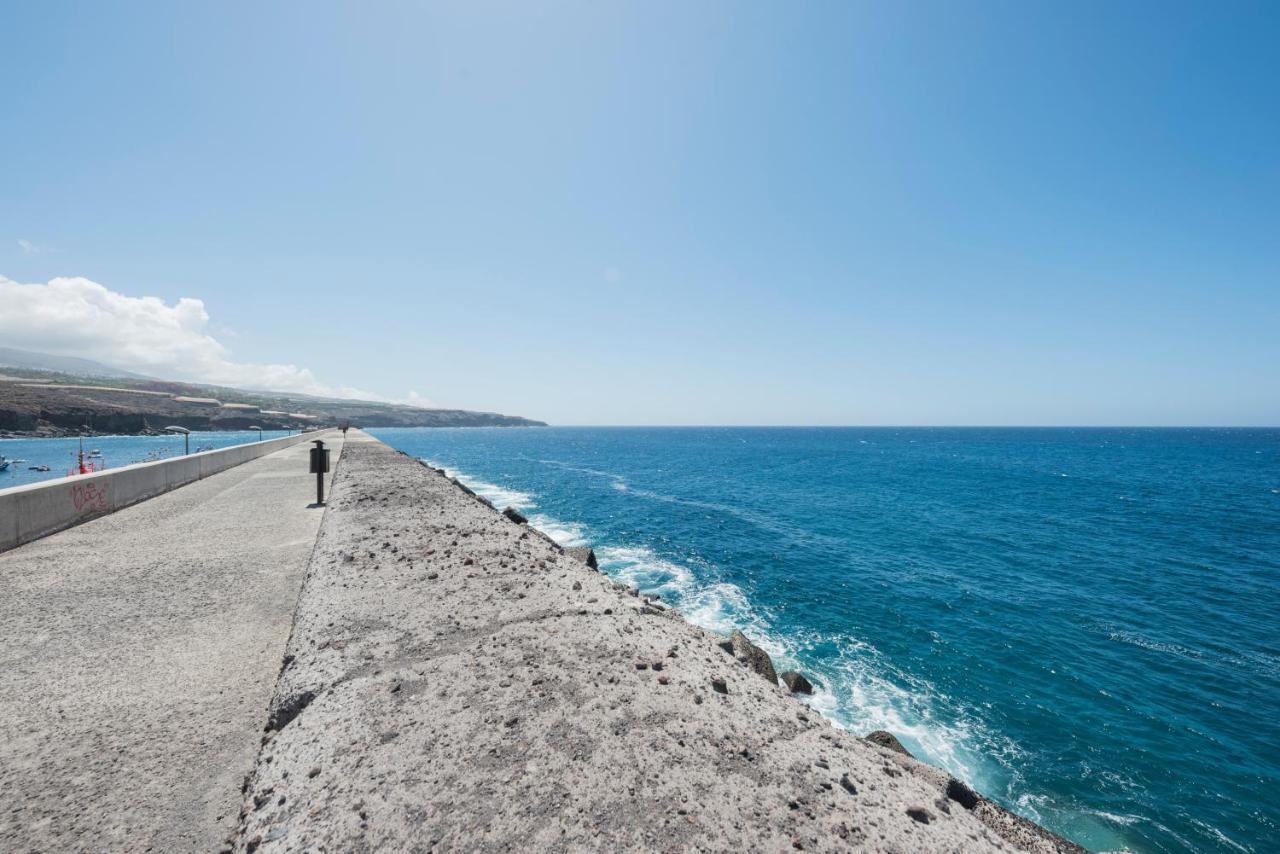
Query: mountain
column 11, row 358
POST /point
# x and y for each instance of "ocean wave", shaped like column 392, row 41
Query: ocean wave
column 857, row 689
column 499, row 496
column 1219, row 835
column 618, row 482
column 1120, row 635
column 567, row 534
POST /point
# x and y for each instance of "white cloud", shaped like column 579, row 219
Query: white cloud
column 415, row 399
column 79, row 317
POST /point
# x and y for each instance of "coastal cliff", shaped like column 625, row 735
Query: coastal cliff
column 46, row 405
column 456, row 681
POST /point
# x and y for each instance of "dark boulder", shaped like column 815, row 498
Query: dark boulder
column 887, row 739
column 755, row 657
column 961, row 794
column 514, row 515
column 797, row 683
column 584, row 554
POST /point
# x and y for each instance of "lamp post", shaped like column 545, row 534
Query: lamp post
column 319, row 466
column 259, row 429
column 186, row 437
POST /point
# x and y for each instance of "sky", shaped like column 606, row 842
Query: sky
column 658, row 213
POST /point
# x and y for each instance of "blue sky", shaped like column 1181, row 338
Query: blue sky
column 671, row 213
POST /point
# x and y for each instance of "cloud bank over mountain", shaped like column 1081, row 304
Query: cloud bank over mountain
column 79, row 317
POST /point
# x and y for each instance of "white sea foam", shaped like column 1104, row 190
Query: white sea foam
column 568, row 534
column 619, row 482
column 499, row 496
column 1219, row 835
column 856, row 689
column 1155, row 646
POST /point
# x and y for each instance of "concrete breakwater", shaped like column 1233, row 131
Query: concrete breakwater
column 456, row 681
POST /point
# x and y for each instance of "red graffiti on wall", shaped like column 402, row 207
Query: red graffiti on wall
column 89, row 497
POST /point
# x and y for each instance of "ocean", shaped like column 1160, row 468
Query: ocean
column 1084, row 624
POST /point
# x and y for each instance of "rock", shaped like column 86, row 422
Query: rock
column 961, row 794
column 847, row 784
column 514, row 515
column 886, row 739
column 920, row 814
column 797, row 683
column 755, row 657
column 584, row 554
column 719, row 685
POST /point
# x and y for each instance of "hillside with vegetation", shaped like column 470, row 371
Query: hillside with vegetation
column 37, row 402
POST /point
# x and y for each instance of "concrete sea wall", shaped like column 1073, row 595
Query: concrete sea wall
column 38, row 509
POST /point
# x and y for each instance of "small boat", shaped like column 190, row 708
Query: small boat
column 94, row 453
column 4, row 464
column 38, row 468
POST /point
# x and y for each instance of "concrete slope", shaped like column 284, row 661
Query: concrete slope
column 454, row 681
column 138, row 653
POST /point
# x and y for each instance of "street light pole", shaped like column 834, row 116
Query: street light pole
column 186, row 437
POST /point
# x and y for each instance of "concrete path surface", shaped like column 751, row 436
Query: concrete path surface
column 138, row 653
column 456, row 682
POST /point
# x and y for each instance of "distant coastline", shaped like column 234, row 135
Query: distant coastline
column 49, row 404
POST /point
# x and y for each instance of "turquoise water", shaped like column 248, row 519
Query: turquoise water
column 60, row 454
column 1081, row 623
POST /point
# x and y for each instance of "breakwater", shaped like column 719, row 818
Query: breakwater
column 456, row 680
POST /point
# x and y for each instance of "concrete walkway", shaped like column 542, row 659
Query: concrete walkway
column 138, row 653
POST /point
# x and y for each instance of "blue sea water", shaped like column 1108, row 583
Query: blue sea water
column 60, row 455
column 1082, row 623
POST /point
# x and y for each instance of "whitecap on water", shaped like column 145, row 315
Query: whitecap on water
column 499, row 496
column 567, row 534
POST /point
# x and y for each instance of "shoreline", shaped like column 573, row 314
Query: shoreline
column 446, row 658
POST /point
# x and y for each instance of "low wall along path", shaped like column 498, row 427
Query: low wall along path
column 36, row 510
